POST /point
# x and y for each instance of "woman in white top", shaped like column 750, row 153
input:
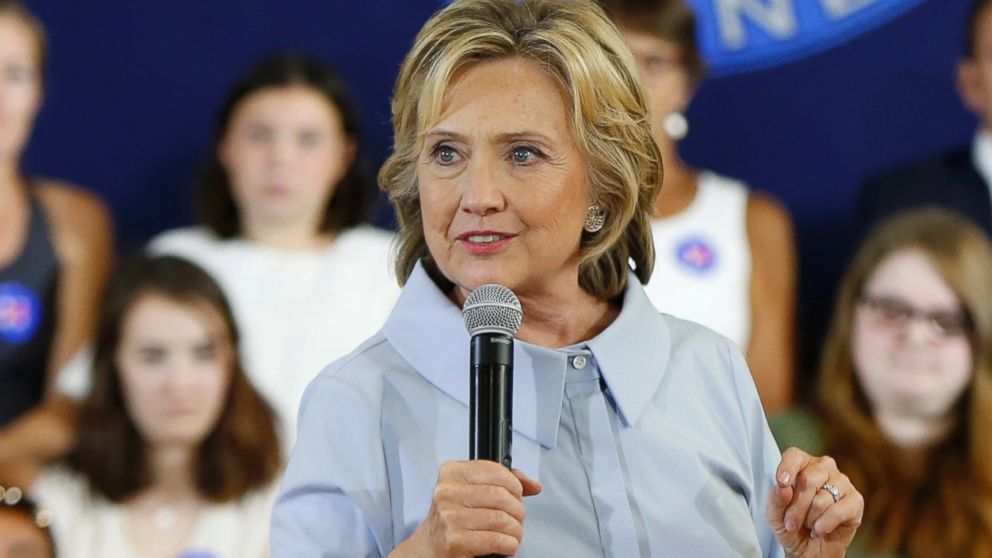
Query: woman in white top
column 176, row 453
column 282, row 208
column 725, row 256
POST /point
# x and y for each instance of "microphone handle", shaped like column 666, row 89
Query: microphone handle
column 491, row 407
column 491, row 401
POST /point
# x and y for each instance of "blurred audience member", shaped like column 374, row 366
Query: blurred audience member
column 960, row 179
column 282, row 206
column 905, row 391
column 24, row 529
column 55, row 252
column 177, row 453
column 725, row 255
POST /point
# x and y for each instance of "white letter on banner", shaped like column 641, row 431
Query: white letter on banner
column 776, row 17
column 839, row 9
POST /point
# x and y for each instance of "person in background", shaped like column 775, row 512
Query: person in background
column 177, row 454
column 905, row 388
column 283, row 207
column 725, row 254
column 523, row 156
column 24, row 529
column 960, row 179
column 55, row 253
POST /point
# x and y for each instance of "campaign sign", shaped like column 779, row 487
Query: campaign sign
column 742, row 35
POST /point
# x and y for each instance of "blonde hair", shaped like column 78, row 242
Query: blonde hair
column 582, row 51
column 946, row 510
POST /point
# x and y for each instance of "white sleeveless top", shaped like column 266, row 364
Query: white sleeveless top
column 702, row 269
column 85, row 525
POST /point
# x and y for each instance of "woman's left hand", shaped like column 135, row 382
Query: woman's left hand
column 814, row 509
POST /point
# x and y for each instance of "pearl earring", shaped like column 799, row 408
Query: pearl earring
column 676, row 126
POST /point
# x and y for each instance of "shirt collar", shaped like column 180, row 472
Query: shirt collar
column 427, row 330
column 981, row 155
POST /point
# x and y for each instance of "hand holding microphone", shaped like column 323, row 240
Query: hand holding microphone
column 477, row 506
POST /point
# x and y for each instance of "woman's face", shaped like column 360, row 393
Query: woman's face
column 910, row 366
column 284, row 151
column 667, row 82
column 503, row 185
column 20, row 538
column 175, row 360
column 20, row 86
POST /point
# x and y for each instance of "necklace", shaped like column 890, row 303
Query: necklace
column 165, row 517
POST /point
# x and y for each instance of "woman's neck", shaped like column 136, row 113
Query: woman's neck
column 680, row 182
column 286, row 237
column 11, row 185
column 560, row 321
column 171, row 469
column 914, row 432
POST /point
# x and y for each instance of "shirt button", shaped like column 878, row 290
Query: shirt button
column 579, row 362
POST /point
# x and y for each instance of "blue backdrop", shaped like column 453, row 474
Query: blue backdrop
column 803, row 108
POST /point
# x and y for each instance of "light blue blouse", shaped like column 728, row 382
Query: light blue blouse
column 649, row 439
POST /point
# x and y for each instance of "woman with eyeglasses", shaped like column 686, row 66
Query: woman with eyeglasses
column 904, row 402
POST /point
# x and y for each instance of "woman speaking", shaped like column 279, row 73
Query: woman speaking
column 523, row 156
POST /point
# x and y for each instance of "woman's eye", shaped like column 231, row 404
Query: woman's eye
column 445, row 154
column 18, row 74
column 524, row 155
column 205, row 352
column 309, row 139
column 259, row 133
column 152, row 355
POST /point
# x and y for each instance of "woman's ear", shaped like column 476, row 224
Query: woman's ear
column 972, row 87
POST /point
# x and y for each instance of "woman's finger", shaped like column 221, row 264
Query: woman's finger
column 842, row 516
column 808, row 483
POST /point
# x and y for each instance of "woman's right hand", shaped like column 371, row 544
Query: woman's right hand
column 477, row 509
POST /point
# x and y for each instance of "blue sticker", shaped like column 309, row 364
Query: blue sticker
column 745, row 35
column 198, row 554
column 696, row 254
column 20, row 313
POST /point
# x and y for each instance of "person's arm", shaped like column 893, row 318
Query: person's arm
column 770, row 351
column 44, row 433
column 82, row 235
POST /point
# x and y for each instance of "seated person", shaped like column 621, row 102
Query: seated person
column 725, row 256
column 55, row 253
column 283, row 207
column 176, row 452
column 959, row 180
column 905, row 388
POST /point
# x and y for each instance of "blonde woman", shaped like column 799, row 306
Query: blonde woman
column 523, row 157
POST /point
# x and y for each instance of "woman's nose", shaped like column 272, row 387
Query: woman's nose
column 483, row 190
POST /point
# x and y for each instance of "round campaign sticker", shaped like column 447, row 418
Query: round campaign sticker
column 696, row 254
column 20, row 313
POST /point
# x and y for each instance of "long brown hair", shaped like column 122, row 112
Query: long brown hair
column 241, row 453
column 946, row 510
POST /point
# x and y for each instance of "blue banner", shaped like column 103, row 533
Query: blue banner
column 744, row 35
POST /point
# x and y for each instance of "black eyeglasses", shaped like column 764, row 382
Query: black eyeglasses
column 893, row 312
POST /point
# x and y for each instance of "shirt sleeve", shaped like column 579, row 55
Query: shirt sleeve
column 334, row 499
column 764, row 453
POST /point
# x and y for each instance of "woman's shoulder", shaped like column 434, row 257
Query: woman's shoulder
column 366, row 239
column 798, row 427
column 62, row 491
column 79, row 220
column 183, row 239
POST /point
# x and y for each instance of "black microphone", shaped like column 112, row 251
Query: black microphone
column 492, row 316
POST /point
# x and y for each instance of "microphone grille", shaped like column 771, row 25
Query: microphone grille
column 492, row 308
